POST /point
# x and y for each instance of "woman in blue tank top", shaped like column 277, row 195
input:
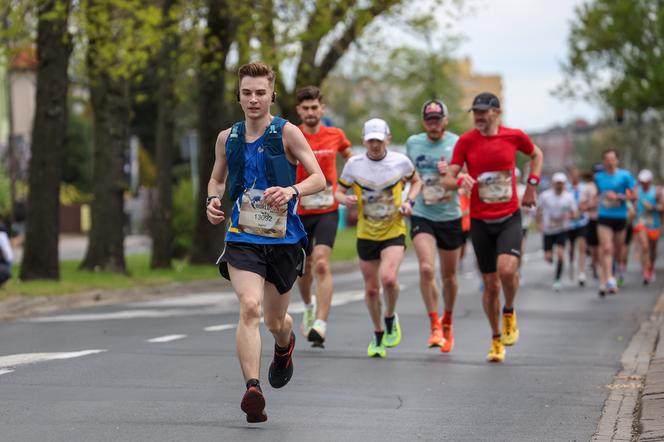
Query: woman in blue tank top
column 648, row 223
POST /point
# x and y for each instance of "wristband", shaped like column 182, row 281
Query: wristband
column 297, row 192
column 210, row 198
column 533, row 180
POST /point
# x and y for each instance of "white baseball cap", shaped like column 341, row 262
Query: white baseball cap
column 559, row 177
column 375, row 129
column 645, row 176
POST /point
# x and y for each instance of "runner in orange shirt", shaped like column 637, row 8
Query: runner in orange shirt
column 318, row 212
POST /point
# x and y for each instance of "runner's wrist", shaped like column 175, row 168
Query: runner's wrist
column 210, row 198
column 533, row 180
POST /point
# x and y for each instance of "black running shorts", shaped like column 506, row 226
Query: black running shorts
column 614, row 224
column 491, row 239
column 321, row 229
column 279, row 264
column 448, row 234
column 579, row 232
column 629, row 235
column 369, row 250
column 558, row 239
column 591, row 233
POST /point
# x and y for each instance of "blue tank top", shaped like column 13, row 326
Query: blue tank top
column 255, row 177
column 649, row 218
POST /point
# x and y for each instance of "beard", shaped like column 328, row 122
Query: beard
column 311, row 121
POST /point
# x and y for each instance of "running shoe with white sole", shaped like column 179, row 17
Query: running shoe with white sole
column 612, row 286
column 557, row 285
column 317, row 334
column 582, row 279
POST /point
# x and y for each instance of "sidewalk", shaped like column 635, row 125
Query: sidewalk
column 651, row 423
column 73, row 247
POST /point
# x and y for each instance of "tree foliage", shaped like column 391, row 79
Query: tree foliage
column 616, row 54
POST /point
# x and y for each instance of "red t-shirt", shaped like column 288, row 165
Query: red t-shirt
column 325, row 144
column 491, row 161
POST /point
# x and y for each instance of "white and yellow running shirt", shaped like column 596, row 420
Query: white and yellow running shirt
column 378, row 185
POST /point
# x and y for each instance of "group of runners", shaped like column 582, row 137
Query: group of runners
column 283, row 185
column 597, row 214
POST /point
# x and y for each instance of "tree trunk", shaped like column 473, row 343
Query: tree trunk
column 213, row 117
column 40, row 259
column 162, row 214
column 110, row 108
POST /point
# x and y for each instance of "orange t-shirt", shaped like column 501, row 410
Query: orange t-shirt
column 325, row 144
column 464, row 202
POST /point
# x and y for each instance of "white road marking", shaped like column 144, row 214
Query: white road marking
column 197, row 300
column 7, row 363
column 130, row 314
column 221, row 327
column 167, row 338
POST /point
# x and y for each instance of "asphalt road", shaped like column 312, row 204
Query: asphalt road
column 95, row 374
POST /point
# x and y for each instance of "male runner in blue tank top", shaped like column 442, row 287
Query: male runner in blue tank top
column 264, row 244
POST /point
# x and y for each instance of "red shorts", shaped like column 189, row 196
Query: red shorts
column 653, row 234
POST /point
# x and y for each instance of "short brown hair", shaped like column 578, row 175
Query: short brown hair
column 309, row 93
column 257, row 69
column 608, row 151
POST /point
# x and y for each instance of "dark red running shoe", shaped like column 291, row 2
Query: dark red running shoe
column 281, row 368
column 253, row 403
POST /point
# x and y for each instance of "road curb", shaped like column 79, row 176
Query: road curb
column 622, row 416
column 651, row 423
column 16, row 306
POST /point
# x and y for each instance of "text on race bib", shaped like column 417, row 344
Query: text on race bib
column 378, row 204
column 258, row 218
column 432, row 190
column 495, row 187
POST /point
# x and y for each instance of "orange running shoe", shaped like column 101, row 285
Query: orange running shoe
column 448, row 338
column 436, row 337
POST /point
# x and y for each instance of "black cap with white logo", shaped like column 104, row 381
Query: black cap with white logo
column 485, row 101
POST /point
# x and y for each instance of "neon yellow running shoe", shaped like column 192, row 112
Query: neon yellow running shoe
column 393, row 339
column 376, row 351
column 497, row 351
column 510, row 329
column 308, row 318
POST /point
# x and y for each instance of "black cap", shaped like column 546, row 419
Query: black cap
column 485, row 101
column 434, row 109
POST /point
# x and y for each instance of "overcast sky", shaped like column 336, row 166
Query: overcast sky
column 525, row 42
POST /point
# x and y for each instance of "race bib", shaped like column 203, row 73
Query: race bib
column 258, row 218
column 378, row 204
column 610, row 204
column 433, row 192
column 557, row 223
column 495, row 187
column 319, row 200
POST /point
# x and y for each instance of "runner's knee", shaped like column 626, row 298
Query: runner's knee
column 250, row 309
column 389, row 282
column 274, row 323
column 426, row 271
column 371, row 292
column 321, row 267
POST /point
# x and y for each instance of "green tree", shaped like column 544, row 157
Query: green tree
column 120, row 36
column 615, row 54
column 54, row 45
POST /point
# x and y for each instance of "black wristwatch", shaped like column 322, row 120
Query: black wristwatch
column 411, row 202
column 297, row 192
column 210, row 198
